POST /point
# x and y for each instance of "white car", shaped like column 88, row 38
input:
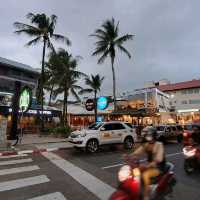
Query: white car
column 103, row 134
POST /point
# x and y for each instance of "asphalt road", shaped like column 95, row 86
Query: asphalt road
column 74, row 175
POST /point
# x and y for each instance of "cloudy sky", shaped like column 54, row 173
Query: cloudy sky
column 166, row 43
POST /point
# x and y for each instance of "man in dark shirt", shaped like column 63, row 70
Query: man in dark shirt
column 196, row 134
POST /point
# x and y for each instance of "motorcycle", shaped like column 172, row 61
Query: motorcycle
column 131, row 184
column 192, row 158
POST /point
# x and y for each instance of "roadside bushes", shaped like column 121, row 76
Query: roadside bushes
column 61, row 131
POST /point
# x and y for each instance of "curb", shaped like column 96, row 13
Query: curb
column 33, row 151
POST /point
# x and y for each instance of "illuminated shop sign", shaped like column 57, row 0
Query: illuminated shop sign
column 45, row 112
column 89, row 105
column 25, row 99
column 102, row 103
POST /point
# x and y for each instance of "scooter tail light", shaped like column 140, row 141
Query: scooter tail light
column 185, row 134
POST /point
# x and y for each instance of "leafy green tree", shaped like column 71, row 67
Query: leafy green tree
column 42, row 29
column 108, row 41
column 67, row 76
column 94, row 82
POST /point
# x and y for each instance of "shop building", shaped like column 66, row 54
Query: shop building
column 184, row 98
column 13, row 77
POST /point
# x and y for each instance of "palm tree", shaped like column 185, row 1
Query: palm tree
column 67, row 77
column 42, row 28
column 108, row 41
column 94, row 82
column 50, row 82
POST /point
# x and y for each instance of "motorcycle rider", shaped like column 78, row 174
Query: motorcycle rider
column 196, row 134
column 155, row 156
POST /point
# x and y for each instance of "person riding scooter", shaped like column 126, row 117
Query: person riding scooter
column 155, row 156
column 196, row 134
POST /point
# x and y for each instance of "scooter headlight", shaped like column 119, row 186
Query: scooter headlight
column 189, row 152
column 124, row 173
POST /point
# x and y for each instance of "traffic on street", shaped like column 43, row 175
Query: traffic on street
column 74, row 174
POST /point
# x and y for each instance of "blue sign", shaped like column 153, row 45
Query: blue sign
column 102, row 103
column 99, row 119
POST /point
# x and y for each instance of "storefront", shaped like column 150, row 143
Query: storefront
column 31, row 118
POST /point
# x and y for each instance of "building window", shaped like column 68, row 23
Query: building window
column 184, row 92
column 196, row 91
column 184, row 102
column 194, row 101
column 190, row 91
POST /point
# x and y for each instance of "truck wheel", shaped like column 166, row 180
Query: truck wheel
column 128, row 143
column 92, row 146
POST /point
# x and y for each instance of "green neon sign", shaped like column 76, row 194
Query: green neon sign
column 25, row 99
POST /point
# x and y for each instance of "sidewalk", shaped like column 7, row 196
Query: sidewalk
column 32, row 143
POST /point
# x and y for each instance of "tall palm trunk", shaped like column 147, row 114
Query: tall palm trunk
column 42, row 82
column 114, row 83
column 51, row 93
column 64, row 107
column 95, row 105
column 66, row 110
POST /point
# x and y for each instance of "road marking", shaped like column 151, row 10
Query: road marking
column 102, row 190
column 112, row 166
column 120, row 164
column 13, row 156
column 52, row 196
column 18, row 170
column 19, row 183
column 13, row 162
column 173, row 154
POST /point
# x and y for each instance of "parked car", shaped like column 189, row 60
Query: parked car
column 166, row 132
column 104, row 133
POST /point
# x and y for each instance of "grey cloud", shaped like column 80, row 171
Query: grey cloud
column 166, row 44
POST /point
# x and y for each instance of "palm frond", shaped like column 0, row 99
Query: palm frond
column 54, row 19
column 73, row 92
column 30, row 16
column 123, row 39
column 77, row 87
column 27, row 29
column 103, row 57
column 124, row 50
column 33, row 42
column 101, row 32
column 50, row 46
column 85, row 91
column 98, row 36
column 99, row 50
column 61, row 38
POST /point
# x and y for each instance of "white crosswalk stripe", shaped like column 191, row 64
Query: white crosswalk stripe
column 13, row 156
column 93, row 185
column 51, row 196
column 102, row 190
column 18, row 170
column 13, row 162
column 24, row 182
